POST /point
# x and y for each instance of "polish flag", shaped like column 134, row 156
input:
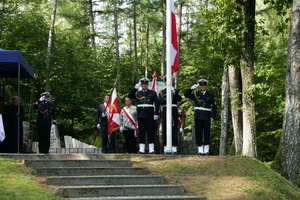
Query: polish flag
column 113, row 113
column 174, row 40
column 154, row 82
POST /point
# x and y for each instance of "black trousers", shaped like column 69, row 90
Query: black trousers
column 202, row 126
column 44, row 138
column 104, row 135
column 174, row 132
column 146, row 125
column 130, row 140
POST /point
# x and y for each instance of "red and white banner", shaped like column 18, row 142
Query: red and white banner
column 132, row 121
column 174, row 39
column 113, row 112
column 154, row 82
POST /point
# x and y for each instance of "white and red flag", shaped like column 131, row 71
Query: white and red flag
column 154, row 82
column 174, row 39
column 113, row 112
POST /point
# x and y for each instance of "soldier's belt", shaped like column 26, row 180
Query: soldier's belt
column 145, row 105
column 173, row 105
column 201, row 108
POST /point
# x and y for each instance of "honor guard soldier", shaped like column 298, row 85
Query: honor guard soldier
column 162, row 101
column 147, row 111
column 204, row 113
column 180, row 127
column 46, row 120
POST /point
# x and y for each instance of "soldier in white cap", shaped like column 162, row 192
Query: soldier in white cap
column 204, row 113
column 147, row 112
column 46, row 120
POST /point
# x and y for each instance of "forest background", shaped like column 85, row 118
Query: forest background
column 82, row 71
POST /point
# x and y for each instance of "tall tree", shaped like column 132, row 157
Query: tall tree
column 247, row 70
column 288, row 155
column 225, row 112
column 135, row 41
column 48, row 57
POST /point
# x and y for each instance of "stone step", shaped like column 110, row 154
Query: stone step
column 83, row 171
column 143, row 198
column 105, row 180
column 77, row 163
column 119, row 190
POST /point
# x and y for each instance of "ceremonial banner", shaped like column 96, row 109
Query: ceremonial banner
column 174, row 39
column 154, row 82
column 2, row 133
column 113, row 113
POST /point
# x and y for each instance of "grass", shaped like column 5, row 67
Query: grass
column 228, row 177
column 17, row 183
column 215, row 177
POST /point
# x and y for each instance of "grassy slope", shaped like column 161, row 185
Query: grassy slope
column 222, row 177
column 17, row 183
column 213, row 176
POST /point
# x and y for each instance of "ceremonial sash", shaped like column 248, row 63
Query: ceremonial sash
column 104, row 106
column 179, row 120
column 132, row 121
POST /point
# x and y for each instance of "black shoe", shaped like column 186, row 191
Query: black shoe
column 200, row 154
column 175, row 153
column 206, row 154
column 153, row 152
column 141, row 152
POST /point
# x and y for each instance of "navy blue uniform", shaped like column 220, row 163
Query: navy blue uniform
column 46, row 116
column 146, row 109
column 162, row 101
column 205, row 108
column 104, row 131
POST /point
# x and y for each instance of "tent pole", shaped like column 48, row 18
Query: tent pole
column 32, row 99
column 19, row 74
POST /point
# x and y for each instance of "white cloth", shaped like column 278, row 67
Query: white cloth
column 195, row 86
column 2, row 132
column 206, row 148
column 125, row 121
column 53, row 126
column 98, row 126
column 155, row 117
column 151, row 148
column 137, row 85
column 121, row 129
column 211, row 120
column 42, row 98
column 174, row 149
column 181, row 131
column 200, row 149
column 142, row 148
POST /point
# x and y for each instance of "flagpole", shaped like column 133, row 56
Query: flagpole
column 169, row 81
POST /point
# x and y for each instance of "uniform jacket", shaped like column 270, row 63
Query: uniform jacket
column 162, row 101
column 46, row 113
column 126, row 123
column 99, row 119
column 148, row 97
column 206, row 101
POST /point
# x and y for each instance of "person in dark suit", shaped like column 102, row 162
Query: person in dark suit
column 46, row 120
column 10, row 118
column 102, row 124
column 162, row 101
column 204, row 114
column 147, row 111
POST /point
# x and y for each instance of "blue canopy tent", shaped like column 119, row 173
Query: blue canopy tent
column 14, row 65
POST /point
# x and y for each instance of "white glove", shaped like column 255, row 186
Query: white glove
column 211, row 120
column 155, row 117
column 137, row 85
column 53, row 126
column 181, row 131
column 173, row 90
column 121, row 129
column 103, row 115
column 42, row 98
column 194, row 86
column 98, row 126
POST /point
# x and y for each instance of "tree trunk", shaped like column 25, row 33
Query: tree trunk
column 247, row 69
column 147, row 47
column 225, row 112
column 236, row 112
column 288, row 155
column 48, row 57
column 117, row 47
column 178, row 20
column 134, row 38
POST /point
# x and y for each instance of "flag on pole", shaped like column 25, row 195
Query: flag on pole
column 154, row 82
column 174, row 39
column 113, row 112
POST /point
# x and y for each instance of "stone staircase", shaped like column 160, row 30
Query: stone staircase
column 93, row 178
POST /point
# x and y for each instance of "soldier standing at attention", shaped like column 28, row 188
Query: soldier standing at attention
column 46, row 120
column 204, row 113
column 180, row 127
column 147, row 111
column 162, row 101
